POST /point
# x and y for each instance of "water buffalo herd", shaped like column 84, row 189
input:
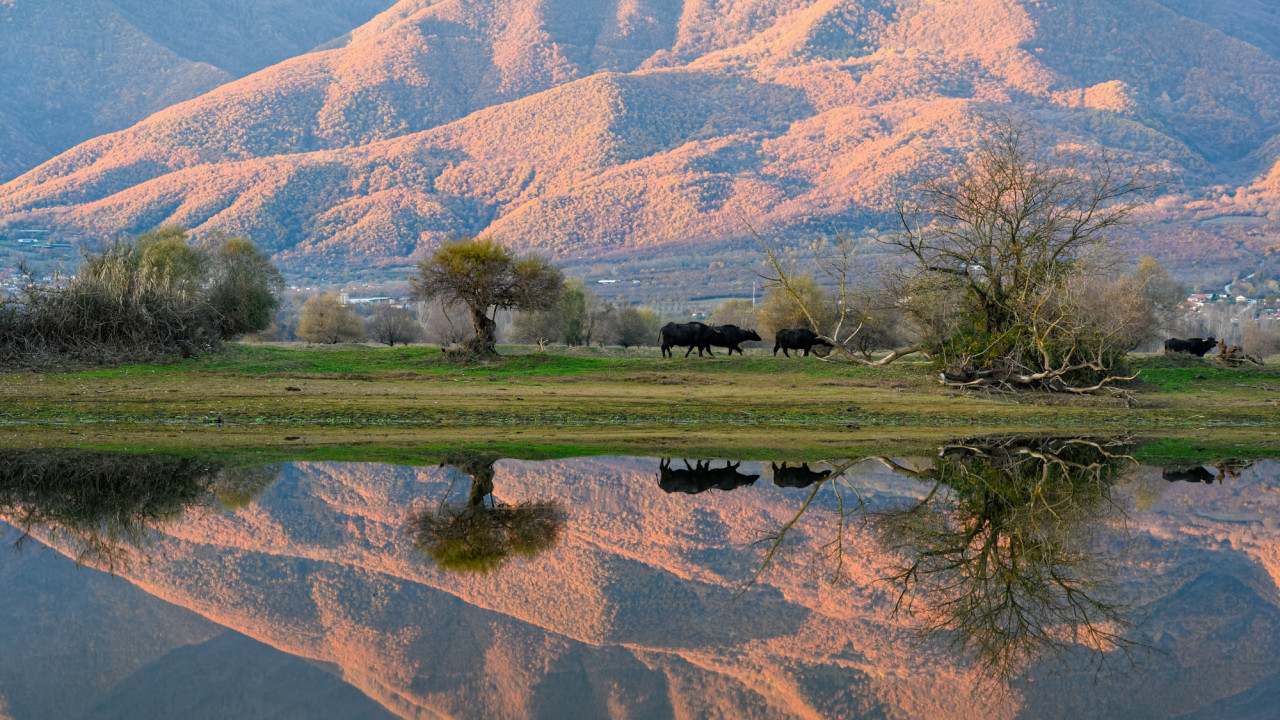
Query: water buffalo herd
column 695, row 335
column 702, row 337
column 701, row 477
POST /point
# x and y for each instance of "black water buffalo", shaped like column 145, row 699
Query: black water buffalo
column 701, row 477
column 691, row 335
column 731, row 336
column 1195, row 346
column 797, row 477
column 1195, row 474
column 802, row 339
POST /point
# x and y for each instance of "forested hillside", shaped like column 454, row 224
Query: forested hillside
column 588, row 127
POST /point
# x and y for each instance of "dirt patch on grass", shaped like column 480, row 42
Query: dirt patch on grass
column 333, row 376
column 671, row 379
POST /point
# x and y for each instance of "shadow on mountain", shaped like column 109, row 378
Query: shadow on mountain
column 234, row 676
column 482, row 535
column 1216, row 652
column 104, row 506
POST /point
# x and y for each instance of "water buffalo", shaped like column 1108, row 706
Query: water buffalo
column 701, row 477
column 691, row 335
column 802, row 339
column 797, row 477
column 1195, row 346
column 731, row 335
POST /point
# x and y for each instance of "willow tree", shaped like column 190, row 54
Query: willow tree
column 485, row 277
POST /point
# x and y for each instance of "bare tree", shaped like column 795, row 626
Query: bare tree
column 600, row 322
column 390, row 325
column 1001, row 239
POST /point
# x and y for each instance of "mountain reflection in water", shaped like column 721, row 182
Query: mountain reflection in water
column 625, row 599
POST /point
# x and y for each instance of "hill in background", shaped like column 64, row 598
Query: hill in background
column 595, row 129
column 72, row 70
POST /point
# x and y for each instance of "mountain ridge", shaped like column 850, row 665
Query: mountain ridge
column 802, row 117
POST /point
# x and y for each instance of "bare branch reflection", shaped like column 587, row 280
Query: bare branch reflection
column 1001, row 558
column 800, row 477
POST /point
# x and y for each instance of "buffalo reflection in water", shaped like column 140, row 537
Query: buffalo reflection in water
column 1201, row 474
column 103, row 506
column 797, row 477
column 482, row 536
column 700, row 477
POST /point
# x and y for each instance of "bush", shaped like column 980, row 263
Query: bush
column 327, row 321
column 140, row 300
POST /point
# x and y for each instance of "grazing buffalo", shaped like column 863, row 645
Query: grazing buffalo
column 797, row 477
column 701, row 477
column 731, row 335
column 1195, row 474
column 691, row 335
column 1195, row 346
column 803, row 339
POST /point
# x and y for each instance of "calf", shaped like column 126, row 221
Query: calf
column 1194, row 346
column 731, row 335
column 691, row 335
column 802, row 339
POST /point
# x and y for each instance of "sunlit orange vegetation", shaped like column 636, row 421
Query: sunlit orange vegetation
column 595, row 127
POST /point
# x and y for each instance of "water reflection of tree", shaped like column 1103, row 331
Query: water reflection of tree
column 102, row 506
column 483, row 534
column 1001, row 556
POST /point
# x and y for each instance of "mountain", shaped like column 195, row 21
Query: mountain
column 590, row 127
column 72, row 71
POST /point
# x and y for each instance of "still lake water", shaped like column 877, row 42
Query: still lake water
column 1037, row 579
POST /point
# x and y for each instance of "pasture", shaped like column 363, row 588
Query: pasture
column 335, row 399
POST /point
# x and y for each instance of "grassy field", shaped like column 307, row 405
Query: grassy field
column 334, row 400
